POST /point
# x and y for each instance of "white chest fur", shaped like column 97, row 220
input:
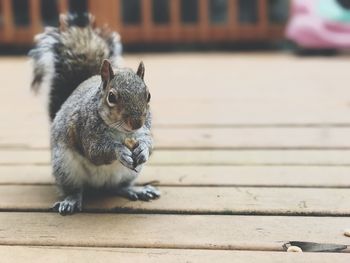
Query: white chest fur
column 84, row 172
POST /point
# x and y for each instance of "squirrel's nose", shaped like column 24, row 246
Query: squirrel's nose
column 134, row 123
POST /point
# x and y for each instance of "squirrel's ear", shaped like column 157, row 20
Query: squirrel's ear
column 106, row 72
column 141, row 70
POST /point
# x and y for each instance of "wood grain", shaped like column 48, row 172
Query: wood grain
column 229, row 95
column 278, row 176
column 206, row 157
column 41, row 254
column 210, row 138
column 168, row 231
column 204, row 200
column 246, row 159
column 247, row 138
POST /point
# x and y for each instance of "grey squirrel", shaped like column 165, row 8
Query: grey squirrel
column 94, row 110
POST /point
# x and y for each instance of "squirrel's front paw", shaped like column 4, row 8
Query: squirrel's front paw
column 125, row 157
column 143, row 193
column 140, row 154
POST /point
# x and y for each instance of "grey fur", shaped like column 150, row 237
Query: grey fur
column 94, row 119
column 86, row 134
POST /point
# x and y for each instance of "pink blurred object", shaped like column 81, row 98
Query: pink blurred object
column 308, row 28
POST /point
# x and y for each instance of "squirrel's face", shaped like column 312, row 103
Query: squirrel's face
column 125, row 98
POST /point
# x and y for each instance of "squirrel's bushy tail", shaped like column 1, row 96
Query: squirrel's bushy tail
column 64, row 57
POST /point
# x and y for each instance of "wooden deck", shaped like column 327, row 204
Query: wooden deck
column 252, row 151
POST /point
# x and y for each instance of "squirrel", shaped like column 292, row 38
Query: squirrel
column 100, row 114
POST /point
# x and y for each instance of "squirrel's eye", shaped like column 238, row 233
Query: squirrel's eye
column 112, row 99
column 148, row 97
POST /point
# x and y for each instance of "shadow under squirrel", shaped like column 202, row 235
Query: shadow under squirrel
column 101, row 119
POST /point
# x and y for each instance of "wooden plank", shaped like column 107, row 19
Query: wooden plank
column 107, row 14
column 14, row 254
column 251, row 157
column 245, row 138
column 210, row 138
column 26, row 175
column 233, row 99
column 63, row 6
column 210, row 110
column 232, row 18
column 207, row 157
column 204, row 200
column 168, row 231
column 8, row 23
column 241, row 99
column 146, row 17
column 263, row 23
column 35, row 17
column 175, row 23
column 188, row 116
column 277, row 176
column 236, row 85
column 216, row 113
column 203, row 25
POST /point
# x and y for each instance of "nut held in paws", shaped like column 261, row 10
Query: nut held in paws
column 131, row 143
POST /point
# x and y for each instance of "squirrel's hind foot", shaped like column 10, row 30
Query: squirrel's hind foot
column 144, row 193
column 68, row 206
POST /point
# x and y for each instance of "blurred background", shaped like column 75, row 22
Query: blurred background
column 156, row 22
column 174, row 24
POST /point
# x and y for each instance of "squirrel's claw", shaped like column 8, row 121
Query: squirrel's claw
column 140, row 154
column 127, row 161
column 67, row 207
column 124, row 156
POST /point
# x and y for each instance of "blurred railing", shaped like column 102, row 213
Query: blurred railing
column 152, row 21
